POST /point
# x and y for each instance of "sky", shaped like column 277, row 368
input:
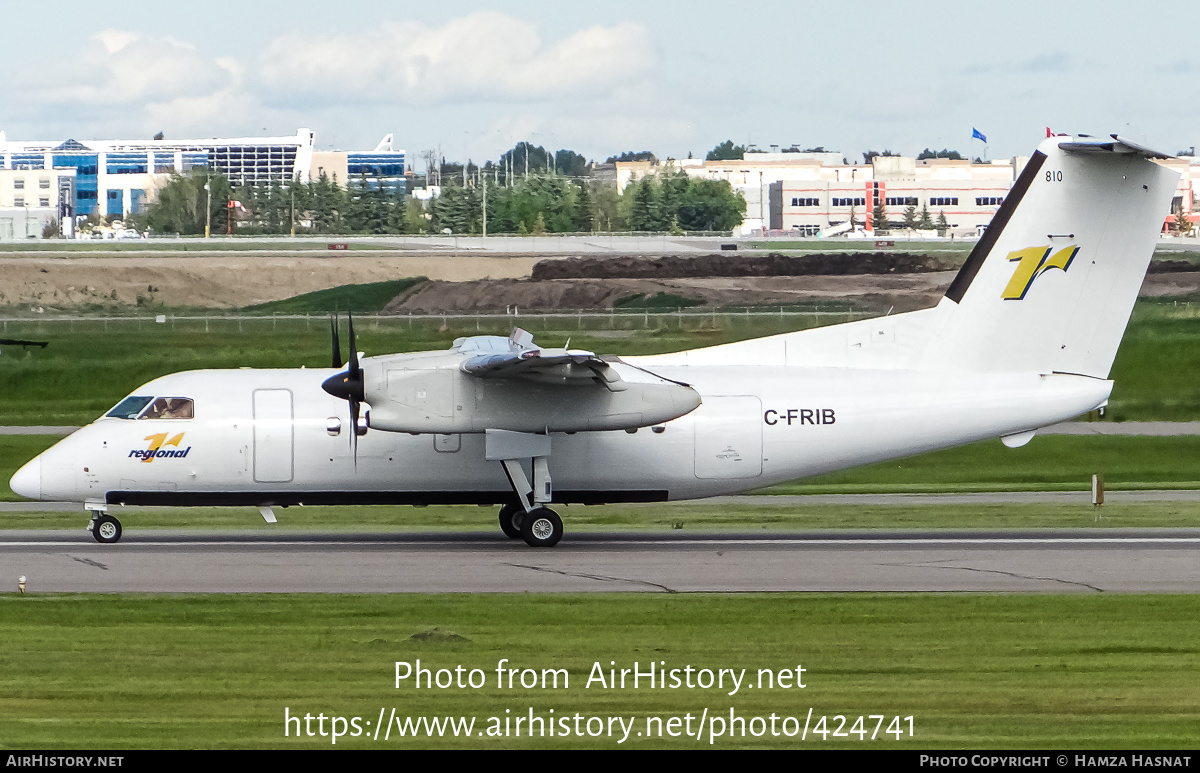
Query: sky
column 472, row 78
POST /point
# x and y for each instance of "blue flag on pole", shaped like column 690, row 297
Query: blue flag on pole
column 978, row 135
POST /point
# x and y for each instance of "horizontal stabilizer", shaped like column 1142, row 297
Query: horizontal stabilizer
column 1114, row 144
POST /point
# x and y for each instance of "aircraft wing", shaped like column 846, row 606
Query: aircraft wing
column 552, row 365
column 487, row 383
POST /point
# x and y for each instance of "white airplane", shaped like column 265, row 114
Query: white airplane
column 1024, row 337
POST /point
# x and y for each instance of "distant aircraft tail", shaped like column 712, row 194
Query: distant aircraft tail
column 1050, row 285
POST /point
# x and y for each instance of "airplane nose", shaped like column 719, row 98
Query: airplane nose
column 27, row 482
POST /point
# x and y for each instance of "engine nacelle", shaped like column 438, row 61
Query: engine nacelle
column 427, row 395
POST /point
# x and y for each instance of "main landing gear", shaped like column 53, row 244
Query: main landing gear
column 528, row 517
column 104, row 527
column 511, row 516
column 540, row 527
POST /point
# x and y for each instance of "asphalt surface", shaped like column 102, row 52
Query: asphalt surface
column 1073, row 561
column 1060, row 561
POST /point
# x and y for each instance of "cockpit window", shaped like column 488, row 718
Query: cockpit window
column 130, row 407
column 169, row 408
column 159, row 408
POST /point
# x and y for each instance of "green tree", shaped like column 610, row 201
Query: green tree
column 925, row 223
column 606, row 206
column 631, row 155
column 368, row 208
column 673, row 185
column 871, row 154
column 642, row 206
column 910, row 217
column 182, row 203
column 1182, row 224
column 327, row 205
column 726, row 151
column 525, row 159
column 570, row 164
column 711, row 205
column 456, row 209
column 415, row 219
column 927, row 153
column 942, row 224
column 879, row 221
column 583, row 219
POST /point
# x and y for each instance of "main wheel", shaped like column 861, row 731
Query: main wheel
column 541, row 528
column 106, row 529
column 511, row 516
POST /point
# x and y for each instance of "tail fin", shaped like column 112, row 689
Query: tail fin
column 1051, row 283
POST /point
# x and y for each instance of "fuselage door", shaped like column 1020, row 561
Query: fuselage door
column 728, row 437
column 273, row 435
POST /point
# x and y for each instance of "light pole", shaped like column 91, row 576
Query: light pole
column 208, row 208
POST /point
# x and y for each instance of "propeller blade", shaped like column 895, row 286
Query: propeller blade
column 349, row 384
column 354, row 370
column 354, row 405
column 337, row 347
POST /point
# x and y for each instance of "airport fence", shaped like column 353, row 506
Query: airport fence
column 783, row 317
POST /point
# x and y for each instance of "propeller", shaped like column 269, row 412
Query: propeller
column 337, row 347
column 348, row 385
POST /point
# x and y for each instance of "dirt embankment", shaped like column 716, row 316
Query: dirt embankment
column 493, row 283
column 900, row 292
column 899, row 281
column 867, row 281
column 229, row 280
column 733, row 265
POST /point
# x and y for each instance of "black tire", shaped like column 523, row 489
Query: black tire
column 106, row 529
column 541, row 528
column 511, row 516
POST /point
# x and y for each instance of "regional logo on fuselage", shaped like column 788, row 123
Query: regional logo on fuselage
column 158, row 448
column 1032, row 262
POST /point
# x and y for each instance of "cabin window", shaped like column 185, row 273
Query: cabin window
column 130, row 407
column 169, row 408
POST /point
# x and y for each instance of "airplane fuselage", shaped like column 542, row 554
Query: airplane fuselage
column 264, row 437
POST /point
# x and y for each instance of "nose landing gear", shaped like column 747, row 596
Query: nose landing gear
column 104, row 527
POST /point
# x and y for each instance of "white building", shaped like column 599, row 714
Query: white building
column 31, row 200
column 119, row 177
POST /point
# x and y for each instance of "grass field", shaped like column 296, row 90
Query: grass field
column 1157, row 370
column 1048, row 463
column 370, row 297
column 991, row 672
column 91, row 364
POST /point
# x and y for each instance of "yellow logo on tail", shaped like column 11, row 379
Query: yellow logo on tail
column 1032, row 263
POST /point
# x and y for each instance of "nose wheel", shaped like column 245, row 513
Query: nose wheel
column 105, row 528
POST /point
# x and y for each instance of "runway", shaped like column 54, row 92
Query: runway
column 1060, row 561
